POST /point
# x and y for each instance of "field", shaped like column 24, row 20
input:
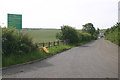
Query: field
column 43, row 35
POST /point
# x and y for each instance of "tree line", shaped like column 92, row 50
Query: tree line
column 73, row 35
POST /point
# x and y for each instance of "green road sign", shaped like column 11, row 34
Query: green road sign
column 15, row 20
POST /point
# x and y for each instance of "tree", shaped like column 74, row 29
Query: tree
column 68, row 33
column 89, row 28
column 98, row 31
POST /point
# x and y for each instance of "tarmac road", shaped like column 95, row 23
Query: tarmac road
column 97, row 59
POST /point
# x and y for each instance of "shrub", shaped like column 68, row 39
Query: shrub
column 86, row 36
column 72, row 35
column 16, row 42
column 112, row 34
column 89, row 28
column 68, row 33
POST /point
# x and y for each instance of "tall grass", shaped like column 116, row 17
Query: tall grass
column 38, row 54
column 17, row 59
column 112, row 34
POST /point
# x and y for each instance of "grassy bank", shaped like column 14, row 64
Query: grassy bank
column 112, row 34
column 38, row 54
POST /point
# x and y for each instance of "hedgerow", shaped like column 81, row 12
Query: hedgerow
column 113, row 33
column 72, row 35
column 16, row 42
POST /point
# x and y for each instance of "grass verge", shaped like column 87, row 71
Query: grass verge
column 38, row 54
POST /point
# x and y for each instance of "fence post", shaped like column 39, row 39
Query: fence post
column 49, row 44
column 67, row 42
column 54, row 43
column 43, row 44
column 58, row 43
column 63, row 42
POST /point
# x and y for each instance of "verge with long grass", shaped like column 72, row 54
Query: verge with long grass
column 19, row 48
column 38, row 54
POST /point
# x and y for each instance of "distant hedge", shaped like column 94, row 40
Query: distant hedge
column 72, row 35
column 16, row 42
column 85, row 36
column 113, row 34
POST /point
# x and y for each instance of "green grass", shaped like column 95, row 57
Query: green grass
column 43, row 35
column 38, row 54
column 113, row 36
column 15, row 59
column 57, row 49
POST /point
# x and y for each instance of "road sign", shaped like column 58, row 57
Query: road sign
column 15, row 20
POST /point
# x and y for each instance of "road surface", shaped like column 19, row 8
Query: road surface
column 97, row 59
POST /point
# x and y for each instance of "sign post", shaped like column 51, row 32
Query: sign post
column 119, row 11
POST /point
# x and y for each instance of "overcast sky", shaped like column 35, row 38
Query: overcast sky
column 55, row 13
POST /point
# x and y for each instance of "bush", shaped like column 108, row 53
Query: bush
column 112, row 34
column 89, row 28
column 68, row 33
column 72, row 35
column 16, row 42
column 86, row 36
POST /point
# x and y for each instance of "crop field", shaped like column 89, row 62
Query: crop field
column 43, row 35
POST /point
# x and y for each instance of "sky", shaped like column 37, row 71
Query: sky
column 56, row 13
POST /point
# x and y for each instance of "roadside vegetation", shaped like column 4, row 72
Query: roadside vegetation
column 14, row 59
column 73, row 36
column 112, row 34
column 38, row 54
column 18, row 47
column 16, row 42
